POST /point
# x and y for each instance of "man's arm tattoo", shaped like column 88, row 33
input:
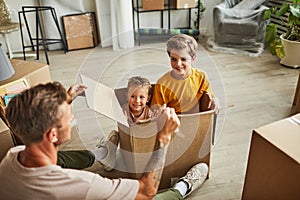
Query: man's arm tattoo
column 156, row 163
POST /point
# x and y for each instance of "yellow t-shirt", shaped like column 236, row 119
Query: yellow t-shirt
column 182, row 95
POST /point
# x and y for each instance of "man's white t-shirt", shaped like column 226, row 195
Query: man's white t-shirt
column 53, row 182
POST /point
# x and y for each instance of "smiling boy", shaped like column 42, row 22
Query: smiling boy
column 183, row 86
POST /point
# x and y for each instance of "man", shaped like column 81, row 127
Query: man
column 41, row 118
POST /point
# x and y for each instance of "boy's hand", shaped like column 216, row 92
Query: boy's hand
column 215, row 105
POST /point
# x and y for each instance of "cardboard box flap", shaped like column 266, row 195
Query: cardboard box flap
column 287, row 141
column 103, row 100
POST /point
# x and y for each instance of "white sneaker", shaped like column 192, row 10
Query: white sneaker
column 111, row 144
column 195, row 177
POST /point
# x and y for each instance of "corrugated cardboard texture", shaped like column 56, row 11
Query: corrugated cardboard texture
column 80, row 31
column 192, row 141
column 273, row 170
column 153, row 4
column 6, row 141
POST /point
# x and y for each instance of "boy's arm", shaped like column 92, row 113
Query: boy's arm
column 209, row 102
column 150, row 181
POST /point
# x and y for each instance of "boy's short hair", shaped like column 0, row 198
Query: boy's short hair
column 182, row 41
column 136, row 81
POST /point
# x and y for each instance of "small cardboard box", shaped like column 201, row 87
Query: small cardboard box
column 183, row 4
column 189, row 146
column 6, row 140
column 273, row 170
column 80, row 30
column 153, row 4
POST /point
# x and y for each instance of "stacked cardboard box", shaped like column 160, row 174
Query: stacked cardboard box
column 273, row 170
column 183, row 4
column 153, row 4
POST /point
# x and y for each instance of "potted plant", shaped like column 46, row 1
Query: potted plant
column 289, row 13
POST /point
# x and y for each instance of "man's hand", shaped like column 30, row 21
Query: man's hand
column 75, row 90
column 167, row 123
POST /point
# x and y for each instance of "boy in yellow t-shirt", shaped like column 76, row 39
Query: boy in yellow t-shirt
column 183, row 86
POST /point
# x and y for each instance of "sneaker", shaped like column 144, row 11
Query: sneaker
column 111, row 144
column 195, row 177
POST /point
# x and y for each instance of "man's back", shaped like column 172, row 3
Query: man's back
column 53, row 182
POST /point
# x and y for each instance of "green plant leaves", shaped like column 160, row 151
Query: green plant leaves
column 283, row 9
column 271, row 33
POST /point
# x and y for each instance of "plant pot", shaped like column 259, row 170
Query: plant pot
column 292, row 49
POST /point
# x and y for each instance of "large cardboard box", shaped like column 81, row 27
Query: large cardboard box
column 153, row 4
column 190, row 145
column 183, row 4
column 80, row 30
column 6, row 140
column 273, row 170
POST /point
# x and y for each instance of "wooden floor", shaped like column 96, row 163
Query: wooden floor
column 259, row 88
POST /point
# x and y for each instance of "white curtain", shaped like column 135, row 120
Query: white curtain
column 115, row 23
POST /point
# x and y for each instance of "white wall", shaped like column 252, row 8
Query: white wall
column 15, row 6
column 178, row 18
column 15, row 37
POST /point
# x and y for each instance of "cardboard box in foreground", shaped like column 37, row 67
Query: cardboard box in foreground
column 189, row 146
column 273, row 170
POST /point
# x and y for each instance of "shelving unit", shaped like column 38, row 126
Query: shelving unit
column 137, row 10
